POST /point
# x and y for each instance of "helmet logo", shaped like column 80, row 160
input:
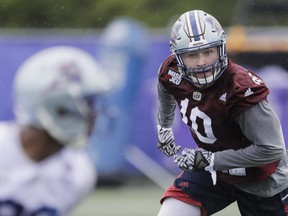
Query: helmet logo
column 175, row 33
column 216, row 27
column 70, row 74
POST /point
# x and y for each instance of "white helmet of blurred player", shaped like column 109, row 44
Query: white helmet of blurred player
column 194, row 31
column 54, row 90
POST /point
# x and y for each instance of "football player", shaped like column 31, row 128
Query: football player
column 44, row 167
column 241, row 154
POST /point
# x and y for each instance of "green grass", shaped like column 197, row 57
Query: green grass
column 139, row 200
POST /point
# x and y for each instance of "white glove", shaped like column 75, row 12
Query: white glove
column 166, row 141
column 196, row 159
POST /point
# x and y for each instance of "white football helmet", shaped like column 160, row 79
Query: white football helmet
column 53, row 90
column 197, row 30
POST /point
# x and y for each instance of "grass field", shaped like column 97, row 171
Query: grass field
column 134, row 200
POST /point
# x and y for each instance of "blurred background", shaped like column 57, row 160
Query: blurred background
column 130, row 39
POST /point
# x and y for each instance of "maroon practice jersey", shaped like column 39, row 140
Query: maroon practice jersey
column 210, row 112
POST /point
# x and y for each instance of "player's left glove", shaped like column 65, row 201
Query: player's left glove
column 196, row 159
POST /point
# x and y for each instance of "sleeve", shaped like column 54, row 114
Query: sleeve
column 261, row 126
column 84, row 178
column 166, row 107
column 71, row 186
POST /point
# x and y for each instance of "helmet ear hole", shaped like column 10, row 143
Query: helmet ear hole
column 61, row 111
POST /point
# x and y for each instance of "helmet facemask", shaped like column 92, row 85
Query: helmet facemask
column 68, row 117
column 202, row 77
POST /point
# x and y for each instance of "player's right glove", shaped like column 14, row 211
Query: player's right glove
column 166, row 141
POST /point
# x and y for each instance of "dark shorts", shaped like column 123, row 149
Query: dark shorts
column 200, row 191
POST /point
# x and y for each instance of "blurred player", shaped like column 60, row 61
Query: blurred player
column 44, row 169
column 241, row 154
